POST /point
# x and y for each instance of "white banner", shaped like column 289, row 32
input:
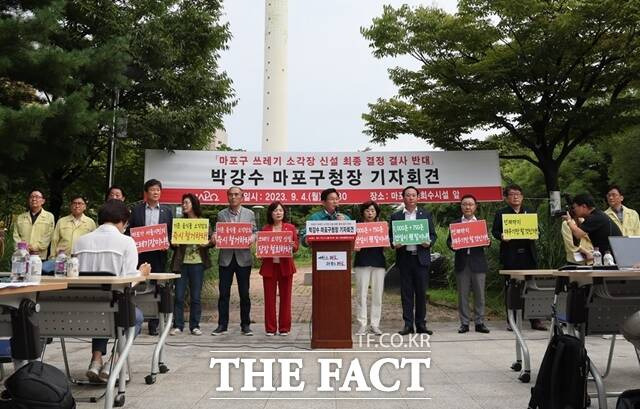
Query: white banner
column 298, row 178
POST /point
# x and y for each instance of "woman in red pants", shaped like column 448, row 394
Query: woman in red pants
column 277, row 275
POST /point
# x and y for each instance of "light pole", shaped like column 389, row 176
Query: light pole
column 111, row 157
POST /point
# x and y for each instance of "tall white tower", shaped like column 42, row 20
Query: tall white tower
column 274, row 111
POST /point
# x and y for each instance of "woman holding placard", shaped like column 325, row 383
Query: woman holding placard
column 190, row 261
column 277, row 272
column 369, row 268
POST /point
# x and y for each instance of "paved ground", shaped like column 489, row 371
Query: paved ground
column 469, row 371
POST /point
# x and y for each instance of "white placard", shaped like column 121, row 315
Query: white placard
column 331, row 260
column 299, row 177
column 331, row 227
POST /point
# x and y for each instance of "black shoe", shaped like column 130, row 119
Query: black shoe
column 246, row 331
column 406, row 330
column 482, row 328
column 153, row 326
column 538, row 325
column 219, row 331
column 423, row 330
column 463, row 328
column 509, row 327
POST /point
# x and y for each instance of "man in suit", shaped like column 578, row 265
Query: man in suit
column 236, row 261
column 148, row 213
column 330, row 201
column 471, row 271
column 517, row 254
column 413, row 262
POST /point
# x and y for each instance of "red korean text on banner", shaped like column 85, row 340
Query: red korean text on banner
column 150, row 238
column 234, row 235
column 375, row 234
column 470, row 234
column 274, row 244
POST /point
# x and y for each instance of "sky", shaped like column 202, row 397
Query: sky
column 332, row 74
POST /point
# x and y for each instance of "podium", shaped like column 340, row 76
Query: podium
column 331, row 292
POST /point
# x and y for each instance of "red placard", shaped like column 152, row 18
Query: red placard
column 470, row 234
column 150, row 238
column 274, row 244
column 375, row 234
column 234, row 235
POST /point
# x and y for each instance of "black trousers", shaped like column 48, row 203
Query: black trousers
column 224, row 287
column 414, row 281
column 158, row 261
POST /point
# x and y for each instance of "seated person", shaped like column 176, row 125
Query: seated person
column 108, row 250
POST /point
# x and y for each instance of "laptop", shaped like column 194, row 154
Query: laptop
column 626, row 251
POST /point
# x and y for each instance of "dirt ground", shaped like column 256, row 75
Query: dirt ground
column 301, row 303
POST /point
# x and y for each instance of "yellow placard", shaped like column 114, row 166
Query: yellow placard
column 520, row 226
column 190, row 231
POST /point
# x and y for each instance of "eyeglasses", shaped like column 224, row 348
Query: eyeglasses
column 77, row 203
column 515, row 194
column 36, row 197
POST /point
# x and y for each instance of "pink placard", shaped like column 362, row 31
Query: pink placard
column 374, row 234
column 470, row 234
column 274, row 244
column 234, row 235
column 150, row 238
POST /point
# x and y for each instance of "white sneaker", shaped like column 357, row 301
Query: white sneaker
column 106, row 371
column 376, row 330
column 362, row 330
column 270, row 334
column 196, row 331
column 284, row 334
column 93, row 373
column 175, row 331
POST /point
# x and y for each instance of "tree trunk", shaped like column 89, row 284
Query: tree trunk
column 551, row 171
column 56, row 194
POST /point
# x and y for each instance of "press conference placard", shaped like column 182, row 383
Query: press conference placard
column 234, row 235
column 150, row 238
column 410, row 231
column 190, row 231
column 330, row 230
column 520, row 226
column 470, row 234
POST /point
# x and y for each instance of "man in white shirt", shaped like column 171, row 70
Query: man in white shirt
column 413, row 262
column 108, row 250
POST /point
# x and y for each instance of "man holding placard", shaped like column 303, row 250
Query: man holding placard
column 517, row 229
column 412, row 233
column 468, row 237
column 235, row 258
column 151, row 213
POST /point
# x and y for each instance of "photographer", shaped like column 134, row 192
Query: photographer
column 597, row 225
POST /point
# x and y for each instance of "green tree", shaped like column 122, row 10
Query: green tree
column 543, row 76
column 63, row 62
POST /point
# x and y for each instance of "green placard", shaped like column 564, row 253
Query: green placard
column 410, row 231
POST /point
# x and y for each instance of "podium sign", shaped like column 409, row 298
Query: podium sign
column 330, row 230
column 332, row 245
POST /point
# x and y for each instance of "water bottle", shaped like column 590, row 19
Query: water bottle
column 608, row 259
column 35, row 268
column 597, row 257
column 20, row 263
column 60, row 269
column 73, row 266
